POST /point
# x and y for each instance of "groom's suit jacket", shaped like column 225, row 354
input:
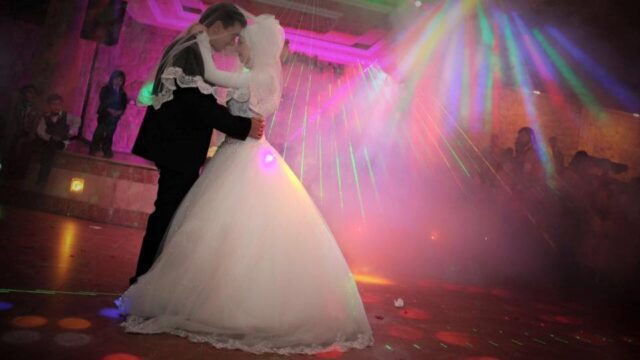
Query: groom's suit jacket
column 177, row 135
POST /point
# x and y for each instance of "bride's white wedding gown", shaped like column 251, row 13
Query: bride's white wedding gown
column 249, row 263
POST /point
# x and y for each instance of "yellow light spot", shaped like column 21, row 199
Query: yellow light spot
column 371, row 279
column 77, row 186
column 65, row 246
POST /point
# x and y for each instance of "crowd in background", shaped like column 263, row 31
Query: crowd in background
column 588, row 216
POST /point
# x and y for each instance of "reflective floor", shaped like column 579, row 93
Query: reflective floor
column 59, row 277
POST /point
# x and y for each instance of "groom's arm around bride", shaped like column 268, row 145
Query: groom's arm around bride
column 177, row 135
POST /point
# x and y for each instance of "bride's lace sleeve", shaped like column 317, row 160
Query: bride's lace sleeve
column 215, row 76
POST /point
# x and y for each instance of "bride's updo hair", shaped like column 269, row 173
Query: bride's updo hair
column 228, row 14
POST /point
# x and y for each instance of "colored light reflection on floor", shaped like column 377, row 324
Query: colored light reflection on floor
column 371, row 279
column 66, row 245
column 74, row 324
column 560, row 319
column 29, row 321
column 21, row 337
column 371, row 298
column 112, row 313
column 55, row 292
column 592, row 339
column 72, row 339
column 415, row 314
column 455, row 338
column 405, row 332
column 332, row 354
column 121, row 356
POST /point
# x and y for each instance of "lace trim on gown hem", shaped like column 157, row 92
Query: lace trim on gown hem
column 174, row 75
column 135, row 324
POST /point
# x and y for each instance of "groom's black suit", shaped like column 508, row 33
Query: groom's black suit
column 176, row 137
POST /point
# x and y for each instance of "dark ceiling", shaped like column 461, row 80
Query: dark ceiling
column 607, row 30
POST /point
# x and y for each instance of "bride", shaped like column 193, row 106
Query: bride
column 249, row 262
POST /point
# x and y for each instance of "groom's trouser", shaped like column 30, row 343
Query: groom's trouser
column 173, row 186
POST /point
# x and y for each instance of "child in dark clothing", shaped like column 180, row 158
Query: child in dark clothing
column 113, row 102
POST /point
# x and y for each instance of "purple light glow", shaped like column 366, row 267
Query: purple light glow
column 5, row 305
column 112, row 313
column 268, row 158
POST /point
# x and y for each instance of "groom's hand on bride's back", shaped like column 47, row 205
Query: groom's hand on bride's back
column 257, row 128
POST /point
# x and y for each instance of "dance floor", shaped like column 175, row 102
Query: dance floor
column 59, row 277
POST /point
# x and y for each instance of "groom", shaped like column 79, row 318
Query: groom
column 176, row 134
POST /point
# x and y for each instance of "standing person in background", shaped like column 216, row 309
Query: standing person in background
column 20, row 131
column 113, row 102
column 529, row 169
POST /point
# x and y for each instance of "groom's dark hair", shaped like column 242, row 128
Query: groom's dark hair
column 228, row 14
